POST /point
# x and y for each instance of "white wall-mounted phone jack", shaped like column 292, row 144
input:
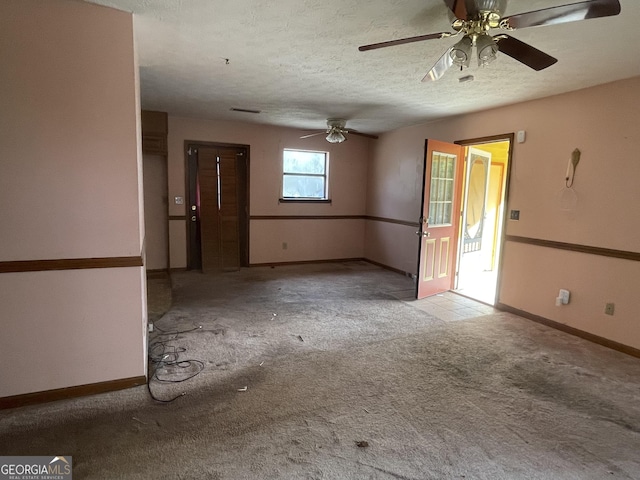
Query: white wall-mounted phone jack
column 562, row 298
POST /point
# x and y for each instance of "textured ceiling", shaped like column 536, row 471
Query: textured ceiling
column 298, row 61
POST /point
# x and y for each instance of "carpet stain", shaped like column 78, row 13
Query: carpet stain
column 548, row 384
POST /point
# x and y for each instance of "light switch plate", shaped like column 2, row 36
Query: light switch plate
column 178, row 200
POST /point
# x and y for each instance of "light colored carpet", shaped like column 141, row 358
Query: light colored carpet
column 342, row 361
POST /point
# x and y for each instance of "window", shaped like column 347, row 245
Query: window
column 443, row 169
column 305, row 175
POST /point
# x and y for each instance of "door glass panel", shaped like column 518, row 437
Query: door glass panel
column 443, row 167
column 435, row 167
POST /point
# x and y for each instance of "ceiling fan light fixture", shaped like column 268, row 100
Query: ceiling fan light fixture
column 461, row 52
column 335, row 136
column 487, row 49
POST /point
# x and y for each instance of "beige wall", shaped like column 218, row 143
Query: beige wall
column 155, row 212
column 69, row 188
column 306, row 239
column 602, row 122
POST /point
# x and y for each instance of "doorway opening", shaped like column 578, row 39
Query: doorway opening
column 218, row 208
column 156, row 224
column 465, row 189
column 483, row 209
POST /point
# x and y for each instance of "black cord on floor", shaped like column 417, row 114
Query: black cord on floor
column 162, row 354
column 177, row 332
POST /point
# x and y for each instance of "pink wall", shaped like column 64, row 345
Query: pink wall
column 307, row 239
column 602, row 123
column 532, row 277
column 69, row 188
column 72, row 327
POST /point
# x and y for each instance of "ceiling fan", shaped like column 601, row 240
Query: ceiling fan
column 337, row 132
column 474, row 20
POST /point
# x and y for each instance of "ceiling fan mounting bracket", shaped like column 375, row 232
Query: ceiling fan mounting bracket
column 337, row 125
column 336, row 122
column 479, row 25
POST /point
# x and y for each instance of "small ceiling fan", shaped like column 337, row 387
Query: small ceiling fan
column 337, row 132
column 474, row 20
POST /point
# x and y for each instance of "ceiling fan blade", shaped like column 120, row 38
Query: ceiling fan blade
column 368, row 135
column 565, row 13
column 524, row 53
column 442, row 65
column 402, row 41
column 313, row 134
column 457, row 7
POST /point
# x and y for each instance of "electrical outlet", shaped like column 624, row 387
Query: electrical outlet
column 514, row 215
column 150, row 327
column 284, row 245
column 609, row 308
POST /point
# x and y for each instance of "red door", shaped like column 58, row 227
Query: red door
column 439, row 224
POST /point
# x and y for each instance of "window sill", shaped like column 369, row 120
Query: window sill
column 304, row 200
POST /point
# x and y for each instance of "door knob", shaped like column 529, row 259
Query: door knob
column 424, row 234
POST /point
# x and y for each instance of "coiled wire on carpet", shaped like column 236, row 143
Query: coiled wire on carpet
column 162, row 354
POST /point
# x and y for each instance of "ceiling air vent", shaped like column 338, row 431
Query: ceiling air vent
column 244, row 110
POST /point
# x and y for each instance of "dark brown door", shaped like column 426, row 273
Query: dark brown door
column 217, row 181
